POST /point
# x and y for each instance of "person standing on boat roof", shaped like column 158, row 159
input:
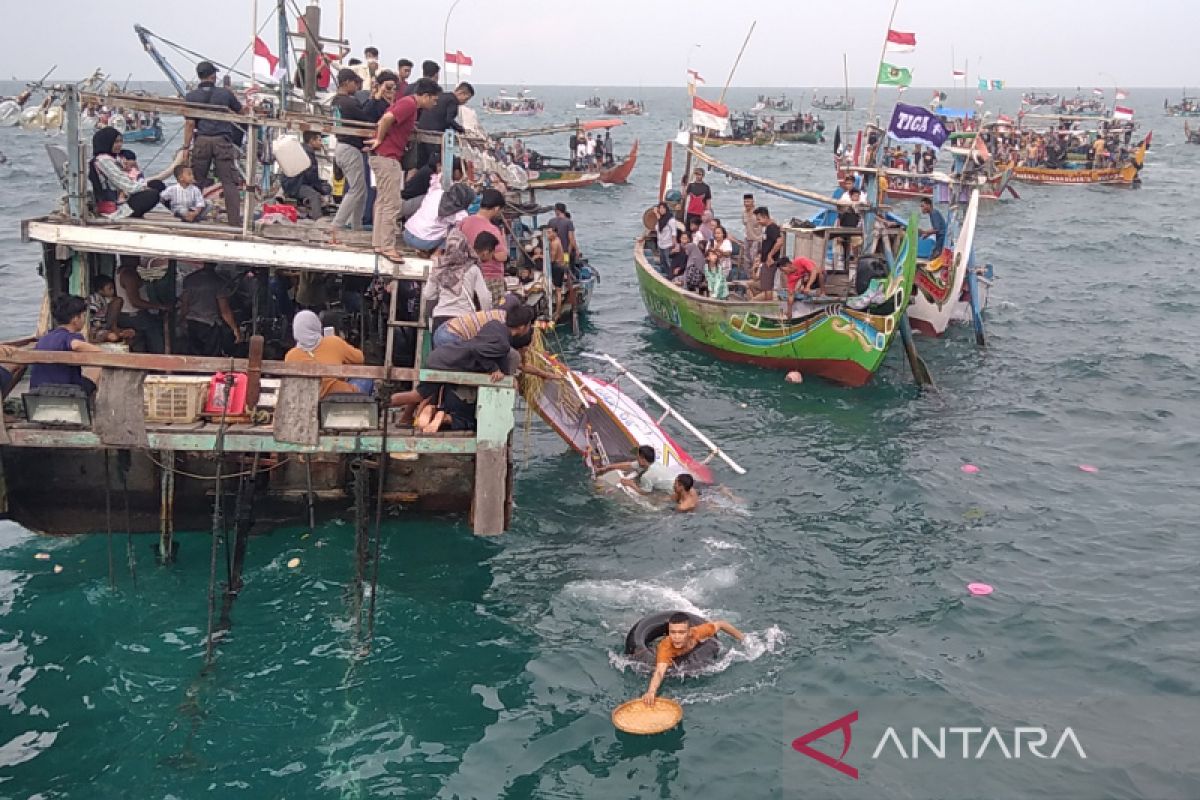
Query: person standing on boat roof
column 429, row 70
column 698, row 198
column 442, row 117
column 643, row 459
column 348, row 154
column 212, row 144
column 937, row 226
column 387, row 148
column 403, row 71
column 682, row 638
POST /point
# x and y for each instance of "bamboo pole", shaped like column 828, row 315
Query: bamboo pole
column 666, row 407
column 732, row 70
column 846, row 94
column 879, row 66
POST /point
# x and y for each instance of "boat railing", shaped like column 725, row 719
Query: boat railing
column 294, row 423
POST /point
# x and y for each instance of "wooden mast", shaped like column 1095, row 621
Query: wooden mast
column 845, row 95
column 882, row 54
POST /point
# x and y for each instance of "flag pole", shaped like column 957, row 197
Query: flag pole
column 732, row 70
column 845, row 94
column 882, row 55
column 446, row 38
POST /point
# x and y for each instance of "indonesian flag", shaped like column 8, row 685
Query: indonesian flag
column 1098, row 92
column 459, row 64
column 1122, row 112
column 959, row 75
column 1121, row 94
column 265, row 62
column 713, row 116
column 694, row 77
column 901, row 42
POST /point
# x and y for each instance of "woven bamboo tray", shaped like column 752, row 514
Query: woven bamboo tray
column 638, row 718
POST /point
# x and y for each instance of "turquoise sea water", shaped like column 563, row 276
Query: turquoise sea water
column 844, row 554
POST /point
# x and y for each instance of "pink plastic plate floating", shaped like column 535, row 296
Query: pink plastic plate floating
column 970, row 469
column 980, row 589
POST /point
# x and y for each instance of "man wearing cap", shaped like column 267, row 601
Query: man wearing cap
column 211, row 144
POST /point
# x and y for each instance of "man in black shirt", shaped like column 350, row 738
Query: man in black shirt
column 212, row 144
column 772, row 248
column 348, row 155
column 429, row 69
column 442, row 117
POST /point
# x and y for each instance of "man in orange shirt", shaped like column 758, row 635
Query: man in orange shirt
column 681, row 639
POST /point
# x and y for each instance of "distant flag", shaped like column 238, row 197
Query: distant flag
column 983, row 84
column 959, row 75
column 1098, row 92
column 978, row 99
column 694, row 77
column 890, row 75
column 265, row 62
column 1121, row 94
column 900, row 42
column 837, row 141
column 997, row 85
column 458, row 64
column 1122, row 112
column 713, row 116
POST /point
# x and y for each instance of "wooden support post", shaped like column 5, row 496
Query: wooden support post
column 120, row 420
column 296, row 411
column 494, row 412
column 254, row 370
column 166, row 518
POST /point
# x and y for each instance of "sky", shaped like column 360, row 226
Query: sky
column 796, row 44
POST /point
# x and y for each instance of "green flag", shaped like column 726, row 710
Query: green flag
column 894, row 76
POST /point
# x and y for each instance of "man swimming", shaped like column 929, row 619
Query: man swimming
column 684, row 494
column 639, row 482
column 681, row 639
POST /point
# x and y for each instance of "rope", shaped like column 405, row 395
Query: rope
column 214, row 477
column 217, row 521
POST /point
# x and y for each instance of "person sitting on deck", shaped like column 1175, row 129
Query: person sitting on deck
column 307, row 187
column 692, row 278
column 67, row 311
column 684, row 494
column 488, row 351
column 110, row 180
column 455, row 283
column 211, row 327
column 716, row 286
column 682, row 638
column 937, row 226
column 104, row 309
column 439, row 212
column 679, row 256
column 184, row 197
column 313, row 345
column 643, row 459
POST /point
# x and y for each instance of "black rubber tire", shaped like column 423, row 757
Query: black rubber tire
column 639, row 642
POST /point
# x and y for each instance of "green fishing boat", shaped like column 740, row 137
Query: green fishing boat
column 824, row 336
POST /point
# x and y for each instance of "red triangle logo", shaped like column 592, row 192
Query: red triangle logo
column 801, row 744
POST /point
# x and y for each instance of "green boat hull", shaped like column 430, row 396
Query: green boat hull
column 808, row 137
column 831, row 341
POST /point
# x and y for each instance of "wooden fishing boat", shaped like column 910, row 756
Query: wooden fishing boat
column 626, row 109
column 1193, row 135
column 767, row 103
column 1080, row 106
column 744, row 131
column 902, row 185
column 1040, row 99
column 828, row 338
column 938, row 297
column 841, row 103
column 506, row 105
column 1126, row 173
column 575, row 179
column 1187, row 107
column 804, row 128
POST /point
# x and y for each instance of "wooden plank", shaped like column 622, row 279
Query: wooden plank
column 250, row 441
column 296, row 411
column 494, row 414
column 4, row 438
column 491, row 485
column 119, row 419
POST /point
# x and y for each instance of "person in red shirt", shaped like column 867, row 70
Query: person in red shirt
column 801, row 277
column 682, row 638
column 387, row 151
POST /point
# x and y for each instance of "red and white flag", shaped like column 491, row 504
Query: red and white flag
column 694, row 77
column 713, row 116
column 1121, row 94
column 901, row 42
column 459, row 65
column 1098, row 92
column 959, row 75
column 265, row 62
column 1122, row 112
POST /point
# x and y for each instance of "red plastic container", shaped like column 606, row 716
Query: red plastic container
column 216, row 395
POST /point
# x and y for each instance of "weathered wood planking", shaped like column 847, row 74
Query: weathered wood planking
column 120, row 420
column 296, row 411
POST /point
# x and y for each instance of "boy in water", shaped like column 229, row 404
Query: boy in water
column 639, row 482
column 684, row 494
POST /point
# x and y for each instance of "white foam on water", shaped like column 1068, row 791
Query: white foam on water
column 720, row 544
column 754, row 645
column 716, row 578
column 636, row 595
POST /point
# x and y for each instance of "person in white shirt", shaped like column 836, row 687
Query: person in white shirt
column 439, row 212
column 184, row 197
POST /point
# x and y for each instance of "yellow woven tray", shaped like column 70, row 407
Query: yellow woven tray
column 638, row 718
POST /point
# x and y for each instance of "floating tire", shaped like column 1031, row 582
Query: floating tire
column 642, row 637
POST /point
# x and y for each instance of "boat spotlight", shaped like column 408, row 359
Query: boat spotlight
column 58, row 404
column 349, row 412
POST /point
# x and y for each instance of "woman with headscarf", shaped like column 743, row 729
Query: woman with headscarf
column 110, row 180
column 334, row 351
column 440, row 211
column 455, row 283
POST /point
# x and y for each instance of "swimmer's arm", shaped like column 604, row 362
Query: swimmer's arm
column 611, row 467
column 660, row 671
column 722, row 625
column 637, row 487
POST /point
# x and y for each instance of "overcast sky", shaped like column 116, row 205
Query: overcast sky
column 797, row 44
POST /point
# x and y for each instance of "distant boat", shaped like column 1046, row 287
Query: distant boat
column 839, row 103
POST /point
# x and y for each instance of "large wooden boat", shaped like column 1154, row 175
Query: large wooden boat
column 629, row 108
column 828, row 338
column 911, row 186
column 1127, row 173
column 804, row 128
